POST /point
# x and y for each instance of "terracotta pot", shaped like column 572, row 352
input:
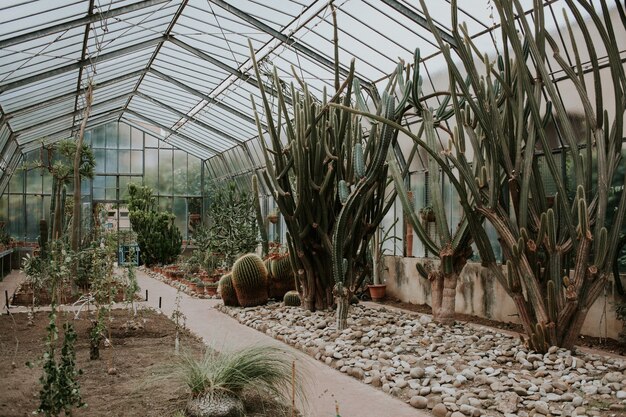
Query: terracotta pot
column 377, row 292
column 210, row 290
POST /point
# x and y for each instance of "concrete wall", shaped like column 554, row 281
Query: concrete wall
column 479, row 294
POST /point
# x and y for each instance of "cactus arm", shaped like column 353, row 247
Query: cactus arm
column 408, row 208
column 259, row 215
column 435, row 179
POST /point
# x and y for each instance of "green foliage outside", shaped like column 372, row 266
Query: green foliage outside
column 158, row 237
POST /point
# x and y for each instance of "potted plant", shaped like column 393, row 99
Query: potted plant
column 427, row 214
column 378, row 288
column 210, row 288
column 272, row 216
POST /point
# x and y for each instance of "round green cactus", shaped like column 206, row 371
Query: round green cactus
column 291, row 299
column 227, row 291
column 281, row 278
column 249, row 278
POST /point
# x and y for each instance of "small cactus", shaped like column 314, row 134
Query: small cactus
column 291, row 299
column 227, row 291
column 281, row 278
column 249, row 277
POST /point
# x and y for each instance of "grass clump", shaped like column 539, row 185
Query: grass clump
column 262, row 369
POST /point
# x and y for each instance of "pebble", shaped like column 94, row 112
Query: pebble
column 455, row 370
column 418, row 401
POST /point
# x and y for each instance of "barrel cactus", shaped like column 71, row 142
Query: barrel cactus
column 249, row 277
column 227, row 291
column 291, row 299
column 281, row 278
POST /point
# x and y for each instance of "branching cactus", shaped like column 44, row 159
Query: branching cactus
column 453, row 248
column 558, row 244
column 312, row 154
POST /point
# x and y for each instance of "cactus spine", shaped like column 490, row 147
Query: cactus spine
column 227, row 291
column 291, row 299
column 249, row 277
column 280, row 277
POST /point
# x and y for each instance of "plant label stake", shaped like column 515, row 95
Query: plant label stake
column 160, row 298
column 6, row 296
column 146, row 295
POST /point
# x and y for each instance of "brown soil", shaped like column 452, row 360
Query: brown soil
column 139, row 356
column 609, row 345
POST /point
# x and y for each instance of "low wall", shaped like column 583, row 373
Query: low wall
column 479, row 293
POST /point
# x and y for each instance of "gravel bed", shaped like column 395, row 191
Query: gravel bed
column 452, row 371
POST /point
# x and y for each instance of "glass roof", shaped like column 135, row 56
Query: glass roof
column 183, row 65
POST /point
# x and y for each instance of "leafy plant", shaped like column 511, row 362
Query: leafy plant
column 60, row 390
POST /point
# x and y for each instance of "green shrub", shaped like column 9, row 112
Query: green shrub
column 158, row 237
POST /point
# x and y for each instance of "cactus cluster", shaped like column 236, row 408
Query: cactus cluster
column 227, row 291
column 316, row 155
column 291, row 299
column 280, row 278
column 249, row 278
column 555, row 223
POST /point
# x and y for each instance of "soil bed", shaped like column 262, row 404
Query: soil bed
column 137, row 356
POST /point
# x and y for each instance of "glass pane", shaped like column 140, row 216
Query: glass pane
column 47, row 181
column 124, row 181
column 180, row 172
column 99, row 154
column 98, row 137
column 151, row 175
column 124, row 163
column 4, row 209
column 124, row 136
column 137, row 136
column 194, row 176
column 17, row 182
column 165, row 203
column 111, row 129
column 165, row 171
column 33, row 181
column 136, row 165
column 33, row 208
column 111, row 167
column 151, row 141
column 98, row 193
column 16, row 217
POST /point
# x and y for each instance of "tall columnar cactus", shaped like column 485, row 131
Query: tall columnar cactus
column 315, row 155
column 227, row 291
column 558, row 245
column 249, row 277
column 452, row 248
column 259, row 216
